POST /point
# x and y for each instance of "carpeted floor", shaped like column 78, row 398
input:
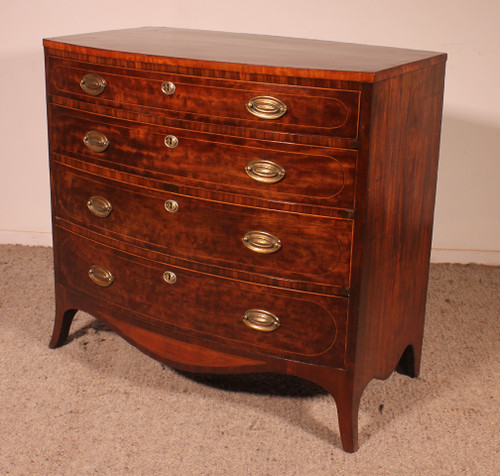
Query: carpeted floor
column 99, row 406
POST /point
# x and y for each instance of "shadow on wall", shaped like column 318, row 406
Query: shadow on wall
column 468, row 194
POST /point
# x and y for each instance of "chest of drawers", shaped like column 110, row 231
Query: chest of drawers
column 237, row 203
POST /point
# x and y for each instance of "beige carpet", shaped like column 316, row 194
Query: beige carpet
column 99, row 406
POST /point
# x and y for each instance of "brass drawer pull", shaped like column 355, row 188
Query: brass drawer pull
column 99, row 206
column 171, row 206
column 93, row 84
column 266, row 107
column 168, row 88
column 101, row 276
column 260, row 320
column 169, row 277
column 96, row 141
column 171, row 141
column 265, row 171
column 261, row 242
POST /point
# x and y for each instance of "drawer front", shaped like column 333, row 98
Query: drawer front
column 268, row 106
column 284, row 245
column 246, row 315
column 267, row 170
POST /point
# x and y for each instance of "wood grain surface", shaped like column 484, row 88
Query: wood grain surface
column 206, row 306
column 314, row 175
column 316, row 111
column 313, row 249
column 353, row 212
column 243, row 52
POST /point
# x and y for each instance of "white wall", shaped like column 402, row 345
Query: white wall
column 467, row 224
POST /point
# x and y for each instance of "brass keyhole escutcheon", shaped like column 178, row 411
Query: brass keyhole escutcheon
column 169, row 277
column 171, row 206
column 168, row 88
column 171, row 141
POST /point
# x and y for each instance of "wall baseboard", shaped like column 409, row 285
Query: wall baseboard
column 438, row 255
column 29, row 238
column 488, row 257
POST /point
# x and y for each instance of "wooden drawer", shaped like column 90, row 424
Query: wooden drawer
column 310, row 249
column 213, row 307
column 314, row 111
column 268, row 170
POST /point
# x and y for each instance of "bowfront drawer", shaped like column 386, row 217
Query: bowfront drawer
column 272, row 171
column 284, row 245
column 241, row 314
column 267, row 106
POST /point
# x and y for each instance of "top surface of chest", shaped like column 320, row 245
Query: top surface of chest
column 256, row 52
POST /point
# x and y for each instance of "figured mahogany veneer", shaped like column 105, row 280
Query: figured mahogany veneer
column 314, row 175
column 216, row 312
column 314, row 249
column 241, row 203
column 318, row 111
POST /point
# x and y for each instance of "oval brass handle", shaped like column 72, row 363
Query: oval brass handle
column 93, row 84
column 96, row 141
column 101, row 276
column 261, row 320
column 169, row 277
column 171, row 141
column 168, row 88
column 171, row 206
column 261, row 242
column 265, row 171
column 266, row 107
column 99, row 206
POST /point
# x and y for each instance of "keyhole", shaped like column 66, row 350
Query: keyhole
column 168, row 88
column 171, row 206
column 171, row 142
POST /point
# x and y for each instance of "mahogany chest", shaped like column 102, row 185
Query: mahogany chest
column 237, row 203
